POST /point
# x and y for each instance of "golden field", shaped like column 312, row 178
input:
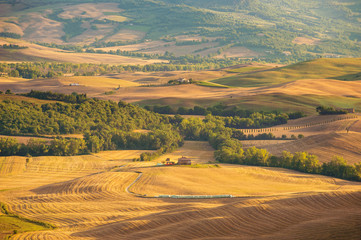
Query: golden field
column 85, row 198
column 324, row 136
column 40, row 53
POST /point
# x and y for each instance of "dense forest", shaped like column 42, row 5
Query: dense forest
column 108, row 125
column 105, row 125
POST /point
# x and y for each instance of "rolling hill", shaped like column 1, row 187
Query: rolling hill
column 85, row 198
column 338, row 69
column 83, row 171
column 282, row 30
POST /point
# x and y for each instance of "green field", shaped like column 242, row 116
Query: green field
column 212, row 84
column 11, row 224
column 346, row 69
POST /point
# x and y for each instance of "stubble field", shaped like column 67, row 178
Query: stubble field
column 85, row 197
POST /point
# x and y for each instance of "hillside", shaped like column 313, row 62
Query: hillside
column 338, row 69
column 85, row 197
column 37, row 53
column 297, row 87
column 98, row 99
column 324, row 136
column 283, row 30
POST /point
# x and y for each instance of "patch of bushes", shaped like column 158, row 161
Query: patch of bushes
column 230, row 151
column 10, row 35
column 322, row 110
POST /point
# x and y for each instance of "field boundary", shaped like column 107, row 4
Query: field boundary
column 276, row 129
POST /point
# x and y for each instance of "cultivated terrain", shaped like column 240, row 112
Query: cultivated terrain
column 86, row 198
column 96, row 95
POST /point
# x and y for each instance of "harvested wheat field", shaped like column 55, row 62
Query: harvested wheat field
column 97, row 82
column 325, row 146
column 41, row 53
column 324, row 136
column 317, row 87
column 197, row 151
column 224, row 179
column 313, row 125
column 85, row 198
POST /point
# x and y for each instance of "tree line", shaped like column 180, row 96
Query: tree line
column 80, row 115
column 233, row 117
column 13, row 46
column 216, row 110
column 162, row 139
column 107, row 125
column 10, row 35
column 48, row 70
column 230, row 150
column 323, row 110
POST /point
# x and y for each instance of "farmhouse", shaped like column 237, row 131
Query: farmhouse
column 168, row 162
column 183, row 80
column 184, row 161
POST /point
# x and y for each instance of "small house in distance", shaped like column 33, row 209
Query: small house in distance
column 183, row 80
column 184, row 161
column 168, row 162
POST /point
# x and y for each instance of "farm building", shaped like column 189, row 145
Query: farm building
column 184, row 161
column 168, row 162
column 183, row 80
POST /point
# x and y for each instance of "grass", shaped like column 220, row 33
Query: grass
column 211, row 84
column 315, row 69
column 11, row 224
